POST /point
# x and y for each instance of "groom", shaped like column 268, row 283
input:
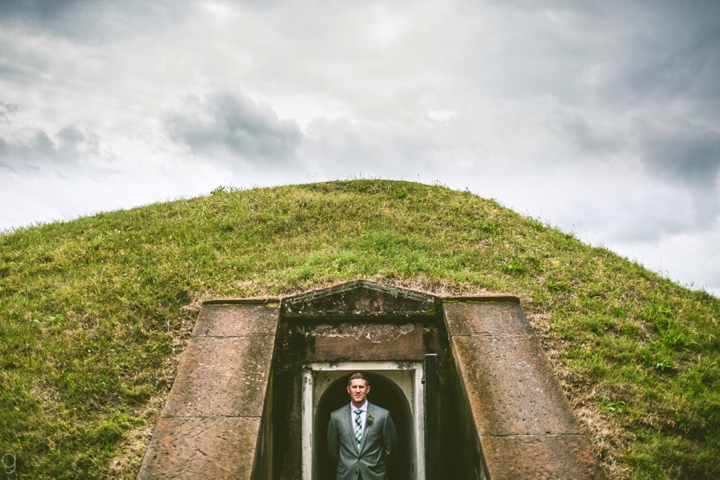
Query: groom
column 361, row 436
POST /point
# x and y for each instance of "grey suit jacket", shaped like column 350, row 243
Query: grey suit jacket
column 379, row 443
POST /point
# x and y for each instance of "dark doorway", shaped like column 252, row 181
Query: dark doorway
column 384, row 393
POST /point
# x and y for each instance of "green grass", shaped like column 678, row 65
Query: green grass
column 94, row 314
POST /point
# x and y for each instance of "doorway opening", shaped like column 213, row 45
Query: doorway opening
column 396, row 387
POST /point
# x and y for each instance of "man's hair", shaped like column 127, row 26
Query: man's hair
column 358, row 376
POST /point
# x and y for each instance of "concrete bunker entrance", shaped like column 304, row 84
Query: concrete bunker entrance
column 325, row 337
column 395, row 387
column 259, row 378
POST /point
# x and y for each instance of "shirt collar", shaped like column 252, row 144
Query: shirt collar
column 363, row 408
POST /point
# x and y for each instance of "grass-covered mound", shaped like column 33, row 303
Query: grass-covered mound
column 94, row 314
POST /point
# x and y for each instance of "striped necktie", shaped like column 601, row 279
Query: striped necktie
column 358, row 428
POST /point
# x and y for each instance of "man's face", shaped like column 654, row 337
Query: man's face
column 358, row 390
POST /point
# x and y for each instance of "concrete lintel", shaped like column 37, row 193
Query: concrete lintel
column 242, row 301
column 490, row 297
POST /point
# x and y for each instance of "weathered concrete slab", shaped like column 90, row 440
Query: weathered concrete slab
column 524, row 423
column 365, row 342
column 210, row 426
column 502, row 318
column 511, row 388
column 235, row 321
column 222, row 376
column 540, row 457
column 201, row 448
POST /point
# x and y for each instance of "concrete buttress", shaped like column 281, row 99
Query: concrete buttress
column 524, row 423
column 212, row 421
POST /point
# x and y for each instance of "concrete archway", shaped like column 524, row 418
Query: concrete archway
column 384, row 393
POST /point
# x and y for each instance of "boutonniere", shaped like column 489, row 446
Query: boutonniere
column 370, row 420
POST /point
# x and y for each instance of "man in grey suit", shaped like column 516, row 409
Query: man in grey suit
column 361, row 436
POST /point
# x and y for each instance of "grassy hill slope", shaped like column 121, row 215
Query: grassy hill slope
column 95, row 312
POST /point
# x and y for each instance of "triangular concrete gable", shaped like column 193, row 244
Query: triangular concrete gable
column 360, row 298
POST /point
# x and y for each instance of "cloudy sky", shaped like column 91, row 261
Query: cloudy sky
column 599, row 117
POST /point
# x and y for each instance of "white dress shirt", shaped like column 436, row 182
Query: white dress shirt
column 363, row 415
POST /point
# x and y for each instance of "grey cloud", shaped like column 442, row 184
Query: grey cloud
column 7, row 109
column 69, row 145
column 681, row 151
column 688, row 155
column 93, row 21
column 261, row 4
column 71, row 137
column 590, row 139
column 682, row 62
column 235, row 125
column 615, row 52
column 38, row 9
column 646, row 50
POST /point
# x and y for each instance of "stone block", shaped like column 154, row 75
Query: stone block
column 236, row 320
column 486, row 318
column 540, row 457
column 511, row 387
column 222, row 376
column 365, row 342
column 201, row 448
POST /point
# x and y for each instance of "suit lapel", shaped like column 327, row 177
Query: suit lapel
column 370, row 411
column 351, row 427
